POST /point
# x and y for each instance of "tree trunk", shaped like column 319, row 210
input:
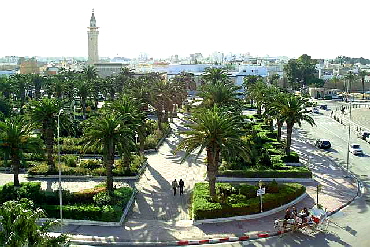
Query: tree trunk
column 141, row 138
column 259, row 110
column 109, row 165
column 83, row 108
column 49, row 141
column 289, row 130
column 279, row 126
column 363, row 87
column 159, row 115
column 126, row 160
column 212, row 170
column 15, row 165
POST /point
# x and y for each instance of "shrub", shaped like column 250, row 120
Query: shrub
column 69, row 160
column 30, row 190
column 101, row 171
column 204, row 208
column 150, row 142
column 102, row 198
column 292, row 158
column 293, row 172
column 90, row 164
column 249, row 191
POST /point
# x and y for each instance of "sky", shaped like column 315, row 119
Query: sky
column 161, row 28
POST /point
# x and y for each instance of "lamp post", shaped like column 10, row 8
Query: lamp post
column 136, row 136
column 260, row 183
column 60, row 176
column 349, row 127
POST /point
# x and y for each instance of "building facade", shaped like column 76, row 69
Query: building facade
column 93, row 33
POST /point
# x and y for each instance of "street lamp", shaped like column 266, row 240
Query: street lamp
column 261, row 191
column 349, row 127
column 60, row 176
column 136, row 136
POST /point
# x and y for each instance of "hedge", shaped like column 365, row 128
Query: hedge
column 204, row 208
column 294, row 172
column 78, row 205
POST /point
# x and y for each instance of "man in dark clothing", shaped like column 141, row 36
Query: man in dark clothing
column 181, row 185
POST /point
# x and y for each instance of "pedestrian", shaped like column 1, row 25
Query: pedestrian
column 181, row 185
column 174, row 187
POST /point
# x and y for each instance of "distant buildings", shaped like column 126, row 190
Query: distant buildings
column 29, row 67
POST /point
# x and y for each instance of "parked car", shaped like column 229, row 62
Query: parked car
column 363, row 134
column 315, row 110
column 367, row 139
column 324, row 107
column 323, row 143
column 355, row 149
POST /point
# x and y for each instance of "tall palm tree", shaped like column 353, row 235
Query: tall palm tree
column 350, row 77
column 293, row 111
column 362, row 74
column 131, row 117
column 274, row 110
column 213, row 75
column 257, row 93
column 44, row 114
column 220, row 94
column 15, row 140
column 217, row 132
column 108, row 132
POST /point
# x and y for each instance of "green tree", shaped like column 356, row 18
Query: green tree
column 214, row 75
column 300, row 71
column 362, row 74
column 350, row 77
column 220, row 94
column 83, row 91
column 20, row 227
column 15, row 140
column 106, row 131
column 293, row 111
column 217, row 132
column 44, row 113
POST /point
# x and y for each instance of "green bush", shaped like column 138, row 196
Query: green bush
column 102, row 198
column 150, row 142
column 38, row 168
column 30, row 190
column 90, row 164
column 292, row 158
column 249, row 191
column 204, row 208
column 293, row 172
column 69, row 160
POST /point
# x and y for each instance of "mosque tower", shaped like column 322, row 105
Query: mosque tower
column 93, row 33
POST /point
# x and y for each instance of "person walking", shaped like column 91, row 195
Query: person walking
column 174, row 186
column 181, row 185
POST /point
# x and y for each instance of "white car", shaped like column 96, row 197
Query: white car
column 355, row 149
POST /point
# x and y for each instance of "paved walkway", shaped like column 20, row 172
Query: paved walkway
column 159, row 216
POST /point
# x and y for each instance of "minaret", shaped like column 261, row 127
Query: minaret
column 93, row 33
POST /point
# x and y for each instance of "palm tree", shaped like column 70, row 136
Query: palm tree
column 220, row 94
column 335, row 81
column 83, row 91
column 274, row 110
column 107, row 132
column 131, row 117
column 15, row 139
column 362, row 74
column 217, row 132
column 90, row 73
column 350, row 78
column 6, row 87
column 20, row 226
column 44, row 113
column 257, row 92
column 293, row 110
column 213, row 75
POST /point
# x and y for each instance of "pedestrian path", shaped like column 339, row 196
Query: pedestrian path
column 155, row 200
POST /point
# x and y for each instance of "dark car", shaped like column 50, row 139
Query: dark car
column 323, row 143
column 324, row 107
column 363, row 135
